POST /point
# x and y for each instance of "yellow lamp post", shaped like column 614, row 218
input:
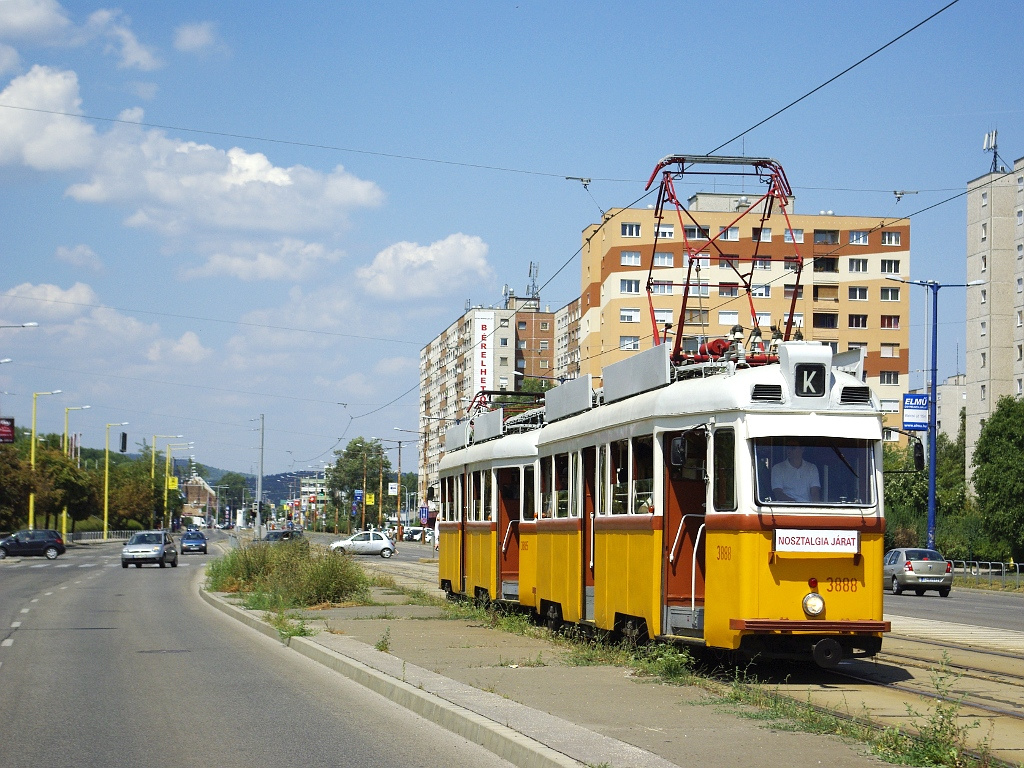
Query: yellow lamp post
column 167, row 476
column 66, row 447
column 32, row 460
column 152, row 466
column 106, row 476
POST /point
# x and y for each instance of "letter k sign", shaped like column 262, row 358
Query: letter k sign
column 810, row 379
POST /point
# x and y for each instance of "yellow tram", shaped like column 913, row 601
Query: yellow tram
column 723, row 503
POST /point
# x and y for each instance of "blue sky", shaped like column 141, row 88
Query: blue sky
column 334, row 181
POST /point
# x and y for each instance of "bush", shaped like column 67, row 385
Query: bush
column 290, row 575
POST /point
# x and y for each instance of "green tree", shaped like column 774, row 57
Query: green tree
column 906, row 497
column 361, row 458
column 15, row 484
column 999, row 474
column 235, row 493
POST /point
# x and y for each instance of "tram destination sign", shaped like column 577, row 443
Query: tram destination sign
column 915, row 413
column 847, row 542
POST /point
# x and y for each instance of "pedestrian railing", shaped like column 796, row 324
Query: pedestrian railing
column 991, row 571
column 98, row 535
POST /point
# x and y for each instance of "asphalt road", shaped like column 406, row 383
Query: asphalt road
column 104, row 666
column 975, row 607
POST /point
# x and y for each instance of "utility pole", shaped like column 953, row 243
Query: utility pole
column 363, row 522
column 259, row 488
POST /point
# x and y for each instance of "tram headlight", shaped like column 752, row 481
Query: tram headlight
column 814, row 604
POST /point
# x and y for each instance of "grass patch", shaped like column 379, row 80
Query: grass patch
column 276, row 577
column 384, row 644
column 286, row 626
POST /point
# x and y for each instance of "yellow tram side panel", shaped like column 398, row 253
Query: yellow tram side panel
column 559, row 571
column 743, row 584
column 627, row 577
column 450, row 541
column 528, row 567
column 481, row 565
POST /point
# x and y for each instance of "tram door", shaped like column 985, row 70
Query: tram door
column 463, row 502
column 589, row 510
column 508, row 532
column 685, row 493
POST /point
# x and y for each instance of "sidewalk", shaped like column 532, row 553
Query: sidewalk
column 518, row 697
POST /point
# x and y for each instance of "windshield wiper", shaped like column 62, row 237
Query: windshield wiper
column 848, row 465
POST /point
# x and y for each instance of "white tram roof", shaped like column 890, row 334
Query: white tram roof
column 511, row 449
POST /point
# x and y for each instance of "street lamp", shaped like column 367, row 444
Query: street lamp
column 152, row 469
column 167, row 476
column 32, row 454
column 106, row 476
column 932, row 395
column 66, row 447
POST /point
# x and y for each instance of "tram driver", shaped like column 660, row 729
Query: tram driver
column 795, row 479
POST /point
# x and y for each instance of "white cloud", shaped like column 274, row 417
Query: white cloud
column 287, row 259
column 396, row 366
column 187, row 350
column 79, row 256
column 46, row 302
column 182, row 187
column 113, row 25
column 32, row 19
column 412, row 270
column 146, row 91
column 9, row 59
column 39, row 140
column 195, row 38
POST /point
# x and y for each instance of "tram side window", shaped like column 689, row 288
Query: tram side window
column 643, row 475
column 725, row 470
column 474, row 496
column 574, row 486
column 547, row 506
column 602, row 462
column 528, row 494
column 620, row 477
column 562, row 485
column 487, row 502
column 445, row 500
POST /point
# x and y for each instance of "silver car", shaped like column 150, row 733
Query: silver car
column 917, row 569
column 365, row 543
column 150, row 547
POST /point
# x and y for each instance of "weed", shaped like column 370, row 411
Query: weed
column 287, row 627
column 384, row 644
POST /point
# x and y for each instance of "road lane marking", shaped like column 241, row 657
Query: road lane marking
column 41, row 565
column 34, row 600
column 7, row 643
column 63, row 565
column 47, row 594
column 25, row 610
column 959, row 634
column 87, row 565
column 15, row 624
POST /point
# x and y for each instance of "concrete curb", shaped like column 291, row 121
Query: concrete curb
column 497, row 738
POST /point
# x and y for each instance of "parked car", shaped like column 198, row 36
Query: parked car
column 365, row 543
column 44, row 542
column 284, row 535
column 193, row 541
column 150, row 547
column 917, row 569
column 412, row 533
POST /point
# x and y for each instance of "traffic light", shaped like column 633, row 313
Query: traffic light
column 124, row 442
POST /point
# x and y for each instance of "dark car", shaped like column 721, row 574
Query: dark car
column 150, row 547
column 44, row 542
column 193, row 541
column 285, row 535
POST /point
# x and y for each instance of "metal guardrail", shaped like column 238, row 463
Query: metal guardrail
column 98, row 535
column 979, row 569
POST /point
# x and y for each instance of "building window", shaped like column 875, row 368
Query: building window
column 1020, row 285
column 858, row 321
column 504, row 322
column 630, row 229
column 984, row 199
column 826, row 320
column 798, row 319
column 984, row 262
column 890, row 350
column 728, row 261
column 629, row 286
column 858, row 265
column 888, row 377
column 629, row 315
column 764, row 234
column 729, row 233
column 794, row 236
column 890, row 238
column 729, row 317
column 890, row 435
column 890, row 266
column 629, row 343
column 701, row 262
column 502, row 361
column 826, row 293
column 826, row 237
column 663, row 316
column 1020, row 318
column 890, row 294
column 984, row 231
column 695, row 233
column 696, row 317
column 664, row 260
column 520, row 364
column 1020, row 352
column 629, row 258
column 787, row 291
column 544, row 344
column 983, row 391
column 1020, row 217
column 543, row 363
column 1020, row 183
column 761, row 291
column 858, row 293
column 503, row 341
column 984, row 295
column 984, row 327
column 890, row 406
column 661, row 287
column 521, row 344
column 503, row 382
column 1020, row 387
column 826, row 264
column 664, row 231
column 858, row 237
column 729, row 289
column 1020, row 251
column 791, row 263
column 984, row 358
column 891, row 322
column 764, row 262
column 545, row 325
column 521, row 325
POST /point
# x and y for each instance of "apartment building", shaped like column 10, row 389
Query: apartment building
column 848, row 294
column 995, row 307
column 952, row 398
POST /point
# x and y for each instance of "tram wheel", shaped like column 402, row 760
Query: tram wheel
column 553, row 617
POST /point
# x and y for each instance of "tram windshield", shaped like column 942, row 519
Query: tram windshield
column 814, row 470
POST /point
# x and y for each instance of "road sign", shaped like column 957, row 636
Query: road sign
column 424, row 514
column 392, row 489
column 357, row 495
column 915, row 413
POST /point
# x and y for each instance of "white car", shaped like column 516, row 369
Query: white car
column 365, row 543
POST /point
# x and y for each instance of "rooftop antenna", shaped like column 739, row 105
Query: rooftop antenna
column 532, row 290
column 990, row 145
